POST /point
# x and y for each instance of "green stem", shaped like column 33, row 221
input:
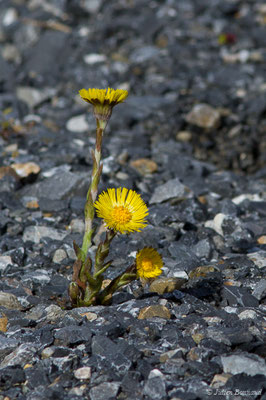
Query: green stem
column 92, row 192
column 123, row 279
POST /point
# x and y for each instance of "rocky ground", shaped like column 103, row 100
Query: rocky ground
column 191, row 140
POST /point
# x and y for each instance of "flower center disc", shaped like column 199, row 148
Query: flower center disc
column 147, row 264
column 121, row 215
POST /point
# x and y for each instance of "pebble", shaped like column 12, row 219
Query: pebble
column 26, row 169
column 37, row 233
column 154, row 311
column 105, row 391
column 92, row 59
column 204, row 116
column 260, row 289
column 216, row 223
column 10, row 16
column 184, row 136
column 249, row 364
column 78, row 124
column 4, row 262
column 9, row 301
column 77, row 225
column 48, row 352
column 92, row 6
column 259, row 258
column 83, row 373
column 155, row 387
column 166, row 285
column 59, row 256
column 144, row 166
column 66, row 183
column 261, row 239
column 11, row 53
column 3, row 322
column 22, row 355
column 34, row 97
column 219, row 380
column 247, row 314
column 172, row 189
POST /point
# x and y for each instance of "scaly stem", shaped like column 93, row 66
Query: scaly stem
column 92, row 192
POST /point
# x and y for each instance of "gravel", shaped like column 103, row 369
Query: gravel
column 190, row 139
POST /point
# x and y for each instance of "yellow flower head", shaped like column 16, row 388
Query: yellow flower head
column 123, row 210
column 149, row 263
column 103, row 100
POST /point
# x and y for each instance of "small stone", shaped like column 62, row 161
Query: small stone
column 22, row 355
column 247, row 314
column 202, row 249
column 155, row 386
column 239, row 296
column 32, row 96
column 66, row 183
column 249, row 364
column 144, row 53
column 32, row 204
column 78, row 124
column 8, row 171
column 171, row 189
column 36, row 233
column 27, row 169
column 184, row 136
column 90, row 316
column 260, row 289
column 77, row 391
column 144, row 166
column 259, row 258
column 4, row 262
column 216, row 223
column 204, row 116
column 48, row 352
column 10, row 16
column 197, row 337
column 11, row 53
column 166, row 285
column 77, row 225
column 105, row 391
column 193, row 354
column 10, row 301
column 92, row 6
column 3, row 322
column 83, row 373
column 168, row 355
column 7, row 345
column 261, row 239
column 220, row 380
column 122, row 176
column 154, row 311
column 54, row 313
column 72, row 335
column 201, row 271
column 94, row 58
column 59, row 256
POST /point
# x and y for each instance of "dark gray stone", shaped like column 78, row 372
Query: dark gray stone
column 66, row 183
column 72, row 335
column 239, row 296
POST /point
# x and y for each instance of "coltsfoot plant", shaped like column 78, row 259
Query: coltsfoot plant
column 123, row 211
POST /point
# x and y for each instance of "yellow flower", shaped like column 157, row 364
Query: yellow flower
column 103, row 100
column 123, row 210
column 149, row 263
